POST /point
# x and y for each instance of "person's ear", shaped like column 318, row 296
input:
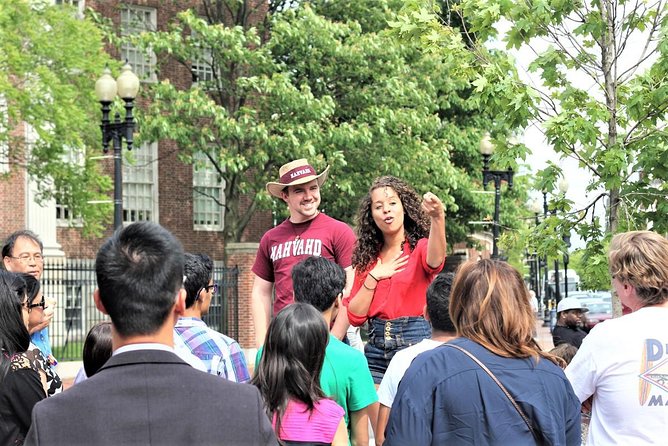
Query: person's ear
column 98, row 302
column 180, row 302
column 337, row 302
column 425, row 313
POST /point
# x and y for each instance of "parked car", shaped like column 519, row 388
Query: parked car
column 599, row 311
column 582, row 295
column 603, row 295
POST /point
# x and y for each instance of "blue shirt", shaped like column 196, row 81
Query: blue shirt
column 446, row 398
column 40, row 339
column 220, row 354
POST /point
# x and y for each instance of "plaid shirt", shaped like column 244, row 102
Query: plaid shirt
column 221, row 355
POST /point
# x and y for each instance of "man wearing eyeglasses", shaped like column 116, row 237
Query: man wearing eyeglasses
column 221, row 354
column 23, row 253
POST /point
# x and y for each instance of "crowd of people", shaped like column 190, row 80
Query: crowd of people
column 451, row 358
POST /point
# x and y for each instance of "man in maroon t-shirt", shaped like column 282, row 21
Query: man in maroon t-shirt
column 307, row 232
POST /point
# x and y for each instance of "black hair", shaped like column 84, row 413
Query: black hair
column 32, row 286
column 14, row 335
column 438, row 301
column 8, row 247
column 198, row 269
column 97, row 347
column 139, row 272
column 318, row 281
column 292, row 358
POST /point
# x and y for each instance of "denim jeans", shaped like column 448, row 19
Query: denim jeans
column 388, row 337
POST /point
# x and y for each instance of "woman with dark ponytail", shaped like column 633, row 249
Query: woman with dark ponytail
column 288, row 376
column 20, row 384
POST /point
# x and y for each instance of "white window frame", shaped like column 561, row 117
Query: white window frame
column 4, row 146
column 200, row 66
column 141, row 174
column 63, row 216
column 79, row 4
column 205, row 176
column 144, row 68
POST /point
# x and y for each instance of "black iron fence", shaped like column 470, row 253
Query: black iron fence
column 72, row 282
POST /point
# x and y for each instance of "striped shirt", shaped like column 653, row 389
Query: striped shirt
column 222, row 355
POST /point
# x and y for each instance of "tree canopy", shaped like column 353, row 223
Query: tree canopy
column 330, row 83
column 49, row 61
column 600, row 98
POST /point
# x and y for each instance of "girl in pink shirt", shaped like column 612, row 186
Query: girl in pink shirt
column 288, row 376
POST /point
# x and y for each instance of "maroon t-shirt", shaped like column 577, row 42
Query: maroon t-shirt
column 287, row 244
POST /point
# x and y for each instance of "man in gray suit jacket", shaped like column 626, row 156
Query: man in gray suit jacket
column 145, row 394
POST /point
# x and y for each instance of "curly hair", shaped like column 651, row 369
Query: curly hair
column 640, row 258
column 370, row 237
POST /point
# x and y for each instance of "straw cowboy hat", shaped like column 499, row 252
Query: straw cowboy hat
column 293, row 173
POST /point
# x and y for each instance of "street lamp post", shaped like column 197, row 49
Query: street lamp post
column 567, row 241
column 498, row 176
column 546, row 279
column 535, row 208
column 106, row 89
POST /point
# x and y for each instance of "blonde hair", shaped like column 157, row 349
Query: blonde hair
column 640, row 259
column 489, row 304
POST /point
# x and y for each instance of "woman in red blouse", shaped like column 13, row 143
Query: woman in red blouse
column 400, row 248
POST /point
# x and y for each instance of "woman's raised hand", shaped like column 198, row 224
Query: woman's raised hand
column 432, row 205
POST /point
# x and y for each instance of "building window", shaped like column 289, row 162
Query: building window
column 135, row 20
column 202, row 66
column 64, row 217
column 140, row 184
column 4, row 136
column 208, row 195
column 79, row 5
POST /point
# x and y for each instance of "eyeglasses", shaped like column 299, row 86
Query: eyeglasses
column 29, row 307
column 26, row 258
column 41, row 303
column 213, row 287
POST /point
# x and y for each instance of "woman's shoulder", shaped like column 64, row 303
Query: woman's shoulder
column 329, row 406
column 21, row 360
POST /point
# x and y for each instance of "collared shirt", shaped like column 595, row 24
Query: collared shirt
column 221, row 355
column 184, row 354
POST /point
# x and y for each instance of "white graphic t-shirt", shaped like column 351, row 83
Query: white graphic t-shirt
column 623, row 363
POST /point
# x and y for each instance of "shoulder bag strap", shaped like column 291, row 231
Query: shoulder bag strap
column 501, row 386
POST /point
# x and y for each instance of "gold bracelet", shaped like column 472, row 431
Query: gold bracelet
column 373, row 277
column 370, row 289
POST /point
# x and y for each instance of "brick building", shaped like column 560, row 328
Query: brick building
column 157, row 187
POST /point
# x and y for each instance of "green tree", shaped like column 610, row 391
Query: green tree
column 49, row 60
column 601, row 99
column 324, row 82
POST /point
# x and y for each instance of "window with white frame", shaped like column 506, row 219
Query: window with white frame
column 64, row 216
column 4, row 134
column 80, row 5
column 140, row 184
column 202, row 67
column 208, row 195
column 135, row 20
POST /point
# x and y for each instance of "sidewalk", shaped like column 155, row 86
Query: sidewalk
column 543, row 336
